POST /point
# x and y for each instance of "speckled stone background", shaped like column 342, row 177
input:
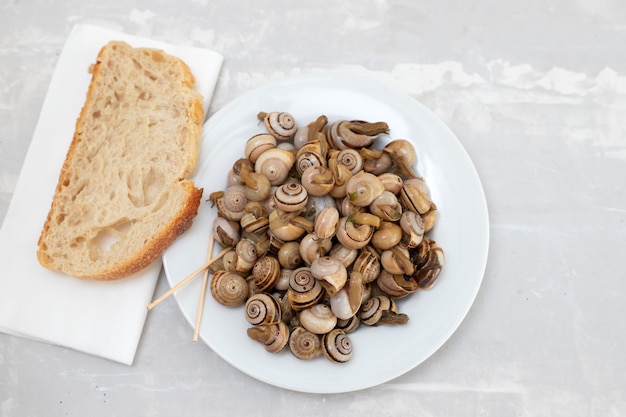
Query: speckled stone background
column 535, row 91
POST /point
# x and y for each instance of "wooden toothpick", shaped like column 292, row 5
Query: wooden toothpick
column 187, row 279
column 205, row 280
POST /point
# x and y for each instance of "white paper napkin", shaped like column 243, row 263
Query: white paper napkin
column 101, row 318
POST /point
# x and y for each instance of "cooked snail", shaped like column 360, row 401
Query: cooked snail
column 258, row 144
column 325, row 232
column 275, row 165
column 228, row 288
column 274, row 336
column 262, row 308
column 291, row 197
column 337, row 346
column 281, row 125
column 304, row 344
column 304, row 289
column 318, row 319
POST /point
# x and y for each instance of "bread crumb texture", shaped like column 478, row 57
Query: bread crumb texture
column 123, row 194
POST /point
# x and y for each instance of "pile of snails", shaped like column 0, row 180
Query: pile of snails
column 326, row 231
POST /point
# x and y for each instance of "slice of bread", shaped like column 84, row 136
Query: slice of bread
column 123, row 194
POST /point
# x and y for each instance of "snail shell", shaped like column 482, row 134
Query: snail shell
column 289, row 255
column 269, row 204
column 225, row 231
column 309, row 155
column 349, row 325
column 354, row 134
column 348, row 209
column 337, row 346
column 415, row 196
column 229, row 260
column 343, row 254
column 351, row 159
column 304, row 344
column 262, row 245
column 291, row 196
column 346, row 302
column 381, row 310
column 274, row 336
column 331, row 273
column 316, row 204
column 274, row 244
column 363, row 188
column 228, row 289
column 233, row 178
column 235, row 199
column 233, row 202
column 341, row 176
column 275, row 164
column 376, row 162
column 312, row 247
column 403, row 155
column 326, row 222
column 318, row 319
column 281, row 125
column 412, row 225
column 246, row 255
column 266, row 272
column 368, row 265
column 430, row 219
column 387, row 207
column 304, row 289
column 258, row 144
column 395, row 285
column 253, row 224
column 429, row 261
column 318, row 180
column 301, row 137
column 282, row 284
column 286, row 227
column 397, row 261
column 392, row 182
column 354, row 235
column 261, row 188
column 262, row 308
column 387, row 236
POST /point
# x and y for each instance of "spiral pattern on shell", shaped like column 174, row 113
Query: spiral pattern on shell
column 309, row 155
column 291, row 196
column 368, row 265
column 353, row 235
column 258, row 144
column 304, row 344
column 281, row 125
column 337, row 346
column 235, row 198
column 363, row 188
column 228, row 288
column 351, row 158
column 304, row 290
column 262, row 308
column 275, row 165
column 273, row 336
column 266, row 272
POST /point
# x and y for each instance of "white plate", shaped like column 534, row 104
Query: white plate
column 380, row 353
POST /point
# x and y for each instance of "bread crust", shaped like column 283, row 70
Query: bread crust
column 155, row 249
column 179, row 221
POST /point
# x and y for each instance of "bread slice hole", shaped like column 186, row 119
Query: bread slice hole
column 107, row 237
column 104, row 240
